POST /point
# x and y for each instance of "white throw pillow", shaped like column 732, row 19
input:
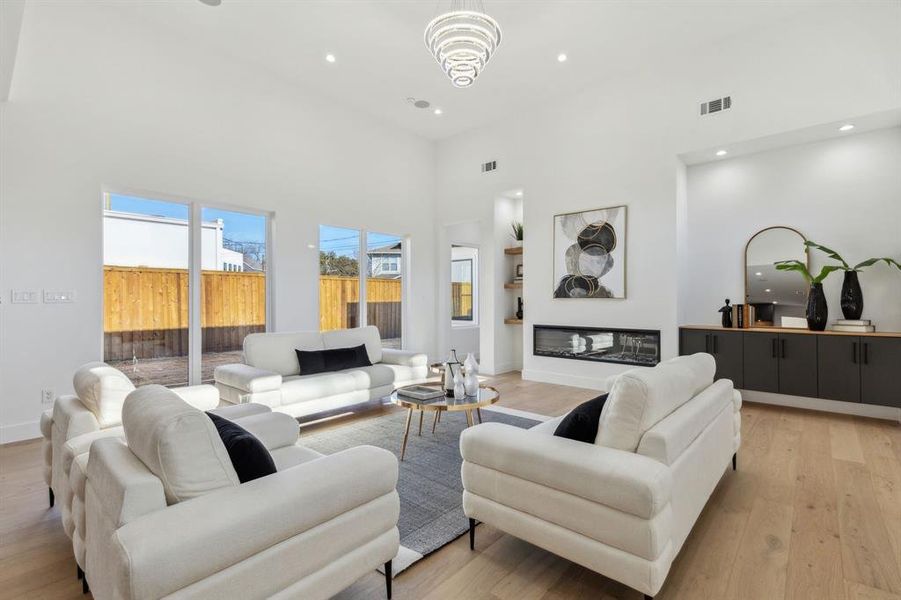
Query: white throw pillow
column 102, row 389
column 275, row 351
column 177, row 442
column 348, row 338
column 642, row 397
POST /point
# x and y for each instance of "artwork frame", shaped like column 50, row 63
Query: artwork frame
column 589, row 258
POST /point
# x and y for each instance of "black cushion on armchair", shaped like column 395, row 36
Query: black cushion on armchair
column 581, row 424
column 249, row 456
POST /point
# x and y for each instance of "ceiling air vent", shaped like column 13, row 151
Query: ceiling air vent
column 715, row 106
column 489, row 166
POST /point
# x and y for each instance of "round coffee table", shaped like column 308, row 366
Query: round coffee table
column 487, row 396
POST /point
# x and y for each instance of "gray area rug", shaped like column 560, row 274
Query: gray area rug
column 429, row 485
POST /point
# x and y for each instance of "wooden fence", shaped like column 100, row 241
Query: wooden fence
column 461, row 300
column 146, row 309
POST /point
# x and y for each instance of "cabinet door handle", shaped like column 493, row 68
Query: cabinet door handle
column 707, row 343
column 866, row 353
column 774, row 347
column 715, row 345
column 854, row 352
column 782, row 344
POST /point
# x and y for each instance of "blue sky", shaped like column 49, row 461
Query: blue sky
column 236, row 226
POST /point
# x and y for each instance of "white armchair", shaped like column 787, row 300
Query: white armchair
column 624, row 505
column 306, row 531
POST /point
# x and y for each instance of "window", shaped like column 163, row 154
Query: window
column 464, row 285
column 150, row 331
column 341, row 287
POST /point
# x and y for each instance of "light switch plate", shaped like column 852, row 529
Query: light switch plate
column 24, row 297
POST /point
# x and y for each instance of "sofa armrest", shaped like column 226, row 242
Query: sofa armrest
column 202, row 397
column 404, row 358
column 225, row 527
column 233, row 412
column 247, row 378
column 274, row 429
column 626, row 481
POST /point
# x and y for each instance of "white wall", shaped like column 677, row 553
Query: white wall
column 617, row 143
column 99, row 100
column 844, row 193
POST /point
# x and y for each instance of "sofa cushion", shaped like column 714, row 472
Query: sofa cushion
column 275, row 351
column 581, row 424
column 102, row 390
column 323, row 385
column 332, row 359
column 641, row 397
column 249, row 456
column 177, row 442
column 343, row 338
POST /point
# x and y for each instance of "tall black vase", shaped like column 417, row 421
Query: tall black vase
column 852, row 296
column 817, row 311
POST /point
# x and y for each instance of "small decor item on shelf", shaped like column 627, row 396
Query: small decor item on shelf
column 517, row 234
column 852, row 295
column 519, row 308
column 854, row 326
column 518, row 275
column 727, row 314
column 459, row 388
column 740, row 316
column 817, row 310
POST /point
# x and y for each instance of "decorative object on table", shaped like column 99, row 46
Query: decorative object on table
column 449, row 374
column 420, row 392
column 519, row 312
column 852, row 295
column 590, row 254
column 817, row 310
column 854, row 326
column 463, row 40
column 471, row 380
column 518, row 276
column 727, row 314
column 459, row 388
column 517, row 234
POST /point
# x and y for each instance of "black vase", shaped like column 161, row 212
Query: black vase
column 852, row 296
column 817, row 311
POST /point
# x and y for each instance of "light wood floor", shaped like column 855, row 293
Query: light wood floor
column 813, row 512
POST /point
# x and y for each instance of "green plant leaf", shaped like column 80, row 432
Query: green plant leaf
column 794, row 265
column 829, row 252
column 871, row 261
column 825, row 272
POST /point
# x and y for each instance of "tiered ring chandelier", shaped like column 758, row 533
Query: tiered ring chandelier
column 463, row 40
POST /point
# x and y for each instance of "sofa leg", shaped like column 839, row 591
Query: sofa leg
column 85, row 588
column 79, row 573
column 472, row 534
column 735, row 461
column 646, row 597
column 388, row 579
column 52, row 497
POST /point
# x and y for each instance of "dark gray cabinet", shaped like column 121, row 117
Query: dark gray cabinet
column 798, row 364
column 880, row 366
column 839, row 367
column 761, row 361
column 726, row 348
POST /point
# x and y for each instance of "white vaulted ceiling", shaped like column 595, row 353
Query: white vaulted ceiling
column 381, row 59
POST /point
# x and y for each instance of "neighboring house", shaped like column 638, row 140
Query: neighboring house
column 136, row 240
column 386, row 262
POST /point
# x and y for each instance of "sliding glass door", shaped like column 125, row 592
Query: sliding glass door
column 182, row 285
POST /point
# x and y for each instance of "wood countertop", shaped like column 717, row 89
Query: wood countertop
column 893, row 334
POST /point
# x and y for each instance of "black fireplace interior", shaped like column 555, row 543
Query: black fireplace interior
column 623, row 346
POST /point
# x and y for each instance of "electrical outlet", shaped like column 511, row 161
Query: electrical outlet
column 47, row 397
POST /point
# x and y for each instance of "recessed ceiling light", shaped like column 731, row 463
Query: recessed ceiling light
column 721, row 153
column 846, row 127
column 775, row 302
column 561, row 57
column 330, row 58
column 768, row 290
column 212, row 2
column 759, row 274
column 438, row 111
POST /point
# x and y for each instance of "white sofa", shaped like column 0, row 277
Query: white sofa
column 167, row 517
column 624, row 505
column 271, row 373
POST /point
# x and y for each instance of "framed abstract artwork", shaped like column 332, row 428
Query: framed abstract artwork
column 590, row 254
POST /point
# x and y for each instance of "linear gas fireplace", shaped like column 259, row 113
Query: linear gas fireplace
column 600, row 344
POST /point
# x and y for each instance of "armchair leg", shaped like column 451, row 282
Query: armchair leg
column 472, row 534
column 388, row 579
column 735, row 461
column 79, row 573
column 52, row 497
column 85, row 588
column 646, row 597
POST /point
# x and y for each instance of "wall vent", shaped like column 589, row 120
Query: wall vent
column 717, row 105
column 489, row 166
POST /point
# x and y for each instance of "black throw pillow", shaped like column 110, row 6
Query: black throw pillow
column 335, row 359
column 249, row 456
column 582, row 423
